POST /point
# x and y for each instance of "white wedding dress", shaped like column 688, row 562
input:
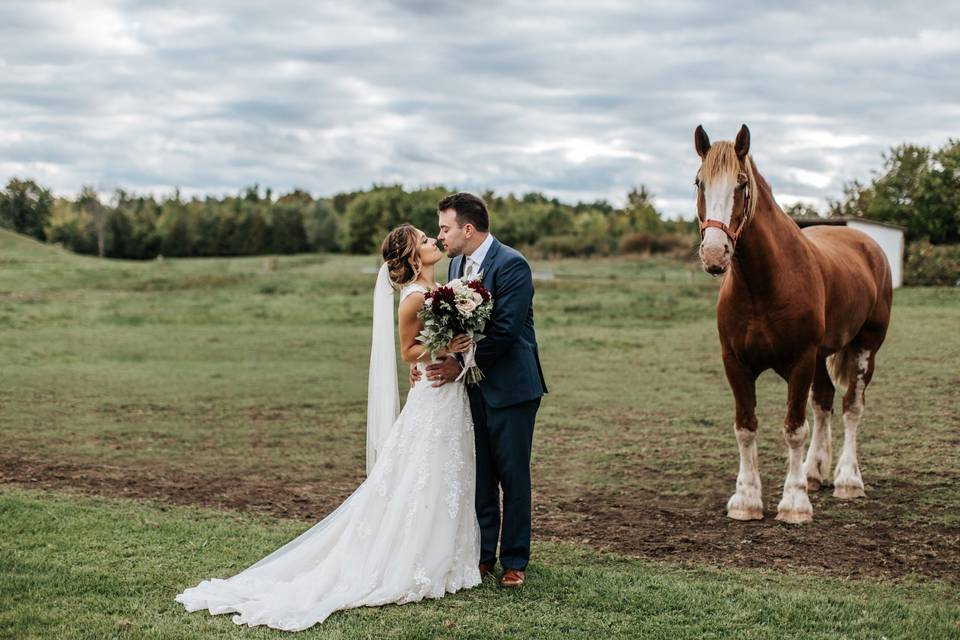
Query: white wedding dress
column 408, row 532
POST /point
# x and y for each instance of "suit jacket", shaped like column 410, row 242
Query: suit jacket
column 508, row 354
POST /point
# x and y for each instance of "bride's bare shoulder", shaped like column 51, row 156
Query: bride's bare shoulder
column 411, row 301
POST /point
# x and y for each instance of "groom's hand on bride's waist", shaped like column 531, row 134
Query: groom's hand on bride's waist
column 444, row 371
column 415, row 374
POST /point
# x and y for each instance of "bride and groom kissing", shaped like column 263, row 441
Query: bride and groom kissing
column 427, row 520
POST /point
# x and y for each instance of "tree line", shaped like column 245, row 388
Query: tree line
column 917, row 188
column 255, row 221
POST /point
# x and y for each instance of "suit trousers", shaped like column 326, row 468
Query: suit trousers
column 504, row 438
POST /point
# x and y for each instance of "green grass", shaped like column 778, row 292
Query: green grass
column 258, row 366
column 75, row 567
column 255, row 369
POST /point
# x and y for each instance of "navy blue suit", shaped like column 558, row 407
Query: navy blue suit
column 504, row 406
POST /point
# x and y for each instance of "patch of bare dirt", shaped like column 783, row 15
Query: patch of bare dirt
column 875, row 541
column 270, row 496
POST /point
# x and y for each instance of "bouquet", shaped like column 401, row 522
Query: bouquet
column 460, row 306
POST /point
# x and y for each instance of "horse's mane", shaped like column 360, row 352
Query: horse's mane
column 722, row 160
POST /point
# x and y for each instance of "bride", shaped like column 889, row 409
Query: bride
column 410, row 530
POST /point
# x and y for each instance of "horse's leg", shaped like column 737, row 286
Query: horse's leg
column 847, row 482
column 820, row 453
column 795, row 505
column 746, row 503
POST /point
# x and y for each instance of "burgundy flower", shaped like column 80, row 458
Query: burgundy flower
column 479, row 288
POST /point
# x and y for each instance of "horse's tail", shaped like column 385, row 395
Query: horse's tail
column 840, row 364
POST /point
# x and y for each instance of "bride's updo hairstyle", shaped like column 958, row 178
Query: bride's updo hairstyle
column 400, row 251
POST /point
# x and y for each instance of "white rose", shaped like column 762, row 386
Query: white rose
column 466, row 306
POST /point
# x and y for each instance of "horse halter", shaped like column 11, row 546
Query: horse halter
column 733, row 235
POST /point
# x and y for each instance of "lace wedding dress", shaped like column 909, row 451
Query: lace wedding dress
column 408, row 532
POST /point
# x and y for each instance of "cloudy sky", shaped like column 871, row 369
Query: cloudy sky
column 580, row 100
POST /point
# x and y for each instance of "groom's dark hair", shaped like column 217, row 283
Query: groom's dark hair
column 470, row 209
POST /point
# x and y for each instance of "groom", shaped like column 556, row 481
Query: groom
column 504, row 405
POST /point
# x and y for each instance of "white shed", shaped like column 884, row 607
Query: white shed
column 888, row 236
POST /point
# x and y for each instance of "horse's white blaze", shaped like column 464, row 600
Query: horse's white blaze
column 820, row 453
column 847, row 482
column 718, row 198
column 795, row 505
column 746, row 503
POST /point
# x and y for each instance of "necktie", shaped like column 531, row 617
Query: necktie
column 469, row 270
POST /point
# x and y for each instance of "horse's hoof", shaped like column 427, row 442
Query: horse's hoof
column 745, row 514
column 848, row 491
column 814, row 484
column 794, row 517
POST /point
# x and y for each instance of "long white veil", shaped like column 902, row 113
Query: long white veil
column 383, row 394
column 383, row 406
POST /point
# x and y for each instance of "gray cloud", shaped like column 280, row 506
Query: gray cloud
column 581, row 100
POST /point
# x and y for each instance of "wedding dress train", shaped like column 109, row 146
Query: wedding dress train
column 408, row 532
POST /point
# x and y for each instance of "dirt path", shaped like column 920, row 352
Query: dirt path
column 647, row 526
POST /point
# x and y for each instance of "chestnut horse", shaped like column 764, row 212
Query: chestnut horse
column 812, row 305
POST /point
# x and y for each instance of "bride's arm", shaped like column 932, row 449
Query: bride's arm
column 410, row 326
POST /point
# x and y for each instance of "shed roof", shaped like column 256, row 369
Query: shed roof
column 841, row 221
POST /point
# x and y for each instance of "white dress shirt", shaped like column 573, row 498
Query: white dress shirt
column 476, row 258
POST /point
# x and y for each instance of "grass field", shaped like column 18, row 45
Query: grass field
column 96, row 568
column 214, row 407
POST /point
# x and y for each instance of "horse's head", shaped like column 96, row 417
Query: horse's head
column 726, row 185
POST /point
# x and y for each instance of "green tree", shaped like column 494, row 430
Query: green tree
column 25, row 207
column 855, row 202
column 898, row 194
column 942, row 195
column 89, row 203
column 801, row 210
column 917, row 189
column 71, row 227
column 130, row 229
column 206, row 227
column 322, row 226
column 287, row 234
column 641, row 214
column 523, row 222
column 370, row 215
column 174, row 228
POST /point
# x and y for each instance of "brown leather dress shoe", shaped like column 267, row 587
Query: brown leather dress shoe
column 512, row 578
column 486, row 569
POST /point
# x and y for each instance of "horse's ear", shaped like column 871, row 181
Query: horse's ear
column 701, row 141
column 742, row 145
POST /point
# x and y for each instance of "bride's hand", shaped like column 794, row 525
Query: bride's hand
column 459, row 344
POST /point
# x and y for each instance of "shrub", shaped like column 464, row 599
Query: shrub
column 570, row 246
column 655, row 243
column 929, row 264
